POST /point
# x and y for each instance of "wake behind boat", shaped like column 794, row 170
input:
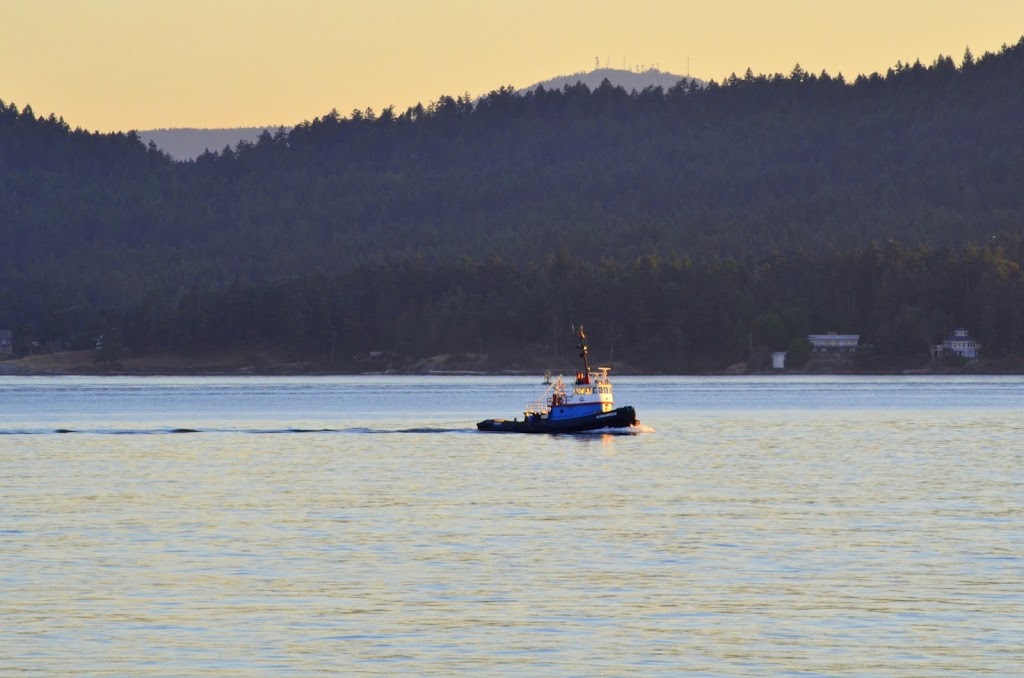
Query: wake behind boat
column 588, row 406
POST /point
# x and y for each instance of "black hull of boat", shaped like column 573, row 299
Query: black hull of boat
column 619, row 418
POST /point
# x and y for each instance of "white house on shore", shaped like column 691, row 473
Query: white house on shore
column 833, row 342
column 958, row 343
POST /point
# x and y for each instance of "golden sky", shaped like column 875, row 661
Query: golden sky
column 139, row 64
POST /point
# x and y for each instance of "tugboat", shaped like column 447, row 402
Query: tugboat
column 587, row 407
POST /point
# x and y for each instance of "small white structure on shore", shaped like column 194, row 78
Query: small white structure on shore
column 833, row 343
column 779, row 360
column 958, row 343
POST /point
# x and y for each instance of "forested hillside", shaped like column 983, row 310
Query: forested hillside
column 803, row 169
column 190, row 143
column 654, row 313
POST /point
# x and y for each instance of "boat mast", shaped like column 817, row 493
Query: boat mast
column 583, row 351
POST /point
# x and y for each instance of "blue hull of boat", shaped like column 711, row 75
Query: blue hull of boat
column 618, row 418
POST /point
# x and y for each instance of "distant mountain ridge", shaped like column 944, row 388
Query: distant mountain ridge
column 627, row 80
column 188, row 143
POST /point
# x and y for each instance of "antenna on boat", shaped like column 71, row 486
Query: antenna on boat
column 583, row 349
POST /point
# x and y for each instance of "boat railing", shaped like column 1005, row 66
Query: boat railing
column 541, row 405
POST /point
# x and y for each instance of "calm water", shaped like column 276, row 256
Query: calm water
column 783, row 526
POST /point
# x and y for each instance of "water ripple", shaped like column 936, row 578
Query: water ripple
column 883, row 541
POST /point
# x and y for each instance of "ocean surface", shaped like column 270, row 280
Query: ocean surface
column 795, row 526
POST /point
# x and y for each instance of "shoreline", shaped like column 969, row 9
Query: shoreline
column 83, row 363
